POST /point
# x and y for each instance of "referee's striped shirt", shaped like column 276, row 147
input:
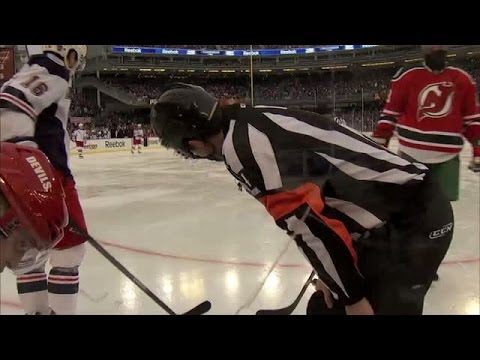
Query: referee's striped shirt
column 324, row 183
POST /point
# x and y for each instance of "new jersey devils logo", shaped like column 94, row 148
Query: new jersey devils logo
column 435, row 100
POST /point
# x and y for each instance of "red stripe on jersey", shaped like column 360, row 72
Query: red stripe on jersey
column 472, row 117
column 390, row 112
column 22, row 105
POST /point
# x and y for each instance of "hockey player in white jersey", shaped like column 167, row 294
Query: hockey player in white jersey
column 80, row 138
column 137, row 139
column 34, row 111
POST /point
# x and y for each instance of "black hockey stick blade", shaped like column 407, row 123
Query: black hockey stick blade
column 289, row 309
column 200, row 309
column 197, row 310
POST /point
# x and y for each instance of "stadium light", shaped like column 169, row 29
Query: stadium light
column 379, row 63
column 334, row 67
column 412, row 60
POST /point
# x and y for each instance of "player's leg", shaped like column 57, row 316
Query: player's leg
column 80, row 149
column 448, row 175
column 140, row 146
column 32, row 283
column 400, row 267
column 133, row 146
column 63, row 281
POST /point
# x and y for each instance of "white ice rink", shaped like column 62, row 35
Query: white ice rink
column 184, row 229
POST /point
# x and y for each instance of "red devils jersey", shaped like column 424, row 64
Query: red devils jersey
column 431, row 112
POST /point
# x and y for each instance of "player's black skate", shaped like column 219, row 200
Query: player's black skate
column 39, row 313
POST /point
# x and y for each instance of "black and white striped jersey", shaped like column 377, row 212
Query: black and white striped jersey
column 324, row 183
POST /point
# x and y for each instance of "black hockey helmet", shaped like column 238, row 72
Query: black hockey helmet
column 185, row 112
column 435, row 56
column 429, row 48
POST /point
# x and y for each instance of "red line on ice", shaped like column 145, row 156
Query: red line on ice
column 236, row 262
column 11, row 304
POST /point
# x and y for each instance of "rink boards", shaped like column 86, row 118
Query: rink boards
column 111, row 145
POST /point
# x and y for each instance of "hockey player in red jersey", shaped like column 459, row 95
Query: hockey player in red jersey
column 33, row 212
column 374, row 226
column 432, row 107
column 34, row 110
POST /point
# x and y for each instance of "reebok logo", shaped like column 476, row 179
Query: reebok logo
column 112, row 144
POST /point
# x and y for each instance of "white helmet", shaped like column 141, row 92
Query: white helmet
column 64, row 50
column 80, row 125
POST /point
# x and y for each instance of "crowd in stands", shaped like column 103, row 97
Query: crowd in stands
column 476, row 75
column 145, row 89
column 362, row 121
column 375, row 83
column 119, row 125
column 141, row 89
column 266, row 87
column 80, row 106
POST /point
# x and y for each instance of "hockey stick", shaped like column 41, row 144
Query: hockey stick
column 290, row 308
column 197, row 310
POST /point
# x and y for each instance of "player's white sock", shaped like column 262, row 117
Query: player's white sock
column 32, row 291
column 63, row 284
column 139, row 148
column 80, row 153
